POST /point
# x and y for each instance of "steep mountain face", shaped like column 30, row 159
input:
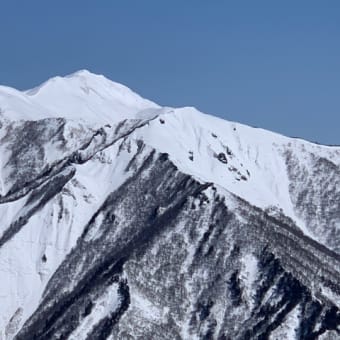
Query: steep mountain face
column 121, row 219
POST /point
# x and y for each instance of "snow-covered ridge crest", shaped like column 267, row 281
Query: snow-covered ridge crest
column 82, row 96
column 107, row 199
column 257, row 165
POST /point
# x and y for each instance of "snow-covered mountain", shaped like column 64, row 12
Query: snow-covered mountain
column 122, row 219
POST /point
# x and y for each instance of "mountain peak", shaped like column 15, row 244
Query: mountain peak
column 76, row 79
column 88, row 76
column 99, row 220
column 88, row 96
column 84, row 72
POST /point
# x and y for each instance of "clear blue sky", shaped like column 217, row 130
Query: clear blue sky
column 273, row 64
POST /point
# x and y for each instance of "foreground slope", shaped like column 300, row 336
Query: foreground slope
column 124, row 220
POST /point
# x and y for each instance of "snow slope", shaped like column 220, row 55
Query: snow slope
column 95, row 131
column 79, row 96
column 249, row 162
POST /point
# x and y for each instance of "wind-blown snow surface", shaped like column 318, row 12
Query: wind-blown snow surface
column 80, row 169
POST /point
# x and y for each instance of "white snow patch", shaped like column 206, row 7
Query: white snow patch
column 248, row 275
column 287, row 330
column 104, row 306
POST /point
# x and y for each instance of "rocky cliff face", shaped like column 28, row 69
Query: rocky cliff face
column 166, row 224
